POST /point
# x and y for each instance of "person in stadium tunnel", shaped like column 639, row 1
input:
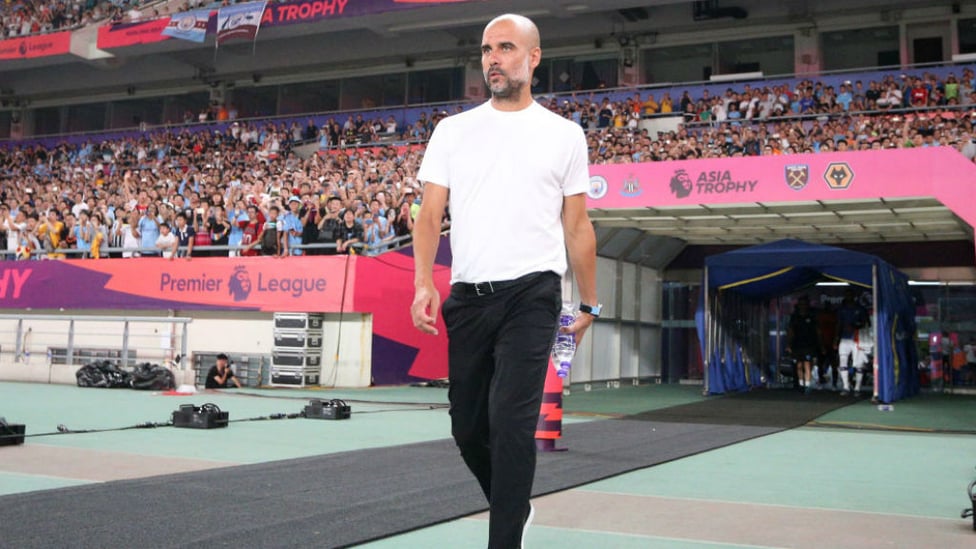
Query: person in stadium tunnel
column 969, row 370
column 803, row 341
column 827, row 322
column 851, row 317
column 861, row 361
column 500, row 332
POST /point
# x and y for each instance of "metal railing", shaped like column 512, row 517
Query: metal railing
column 54, row 342
column 223, row 250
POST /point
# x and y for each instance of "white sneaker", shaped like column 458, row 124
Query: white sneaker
column 528, row 521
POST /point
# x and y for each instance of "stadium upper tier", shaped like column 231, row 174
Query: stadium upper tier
column 358, row 157
column 944, row 87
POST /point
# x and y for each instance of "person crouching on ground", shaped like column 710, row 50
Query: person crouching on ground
column 221, row 376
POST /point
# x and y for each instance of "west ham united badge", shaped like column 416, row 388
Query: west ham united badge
column 797, row 176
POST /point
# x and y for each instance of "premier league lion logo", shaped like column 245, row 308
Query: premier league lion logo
column 681, row 184
column 239, row 284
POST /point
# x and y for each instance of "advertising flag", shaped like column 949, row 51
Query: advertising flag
column 239, row 21
column 190, row 25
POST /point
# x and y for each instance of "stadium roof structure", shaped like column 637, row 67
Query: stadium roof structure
column 825, row 222
column 370, row 35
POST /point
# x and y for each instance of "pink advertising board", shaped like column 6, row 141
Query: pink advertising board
column 939, row 172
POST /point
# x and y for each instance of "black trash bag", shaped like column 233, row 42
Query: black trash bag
column 117, row 377
column 153, row 377
column 90, row 375
column 102, row 374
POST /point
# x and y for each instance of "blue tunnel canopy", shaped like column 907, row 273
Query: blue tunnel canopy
column 771, row 270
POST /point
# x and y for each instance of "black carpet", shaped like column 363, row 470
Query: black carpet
column 782, row 408
column 337, row 500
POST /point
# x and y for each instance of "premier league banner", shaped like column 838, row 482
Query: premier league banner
column 247, row 283
column 239, row 21
column 376, row 287
column 29, row 47
column 190, row 25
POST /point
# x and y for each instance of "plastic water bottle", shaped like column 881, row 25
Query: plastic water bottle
column 565, row 346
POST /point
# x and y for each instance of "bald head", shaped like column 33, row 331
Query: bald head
column 525, row 26
column 509, row 54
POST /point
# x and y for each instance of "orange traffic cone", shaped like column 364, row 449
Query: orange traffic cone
column 550, row 425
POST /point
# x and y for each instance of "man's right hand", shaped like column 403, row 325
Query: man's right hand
column 426, row 302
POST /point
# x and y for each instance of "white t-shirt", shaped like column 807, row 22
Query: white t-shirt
column 130, row 241
column 13, row 234
column 970, row 350
column 165, row 243
column 507, row 173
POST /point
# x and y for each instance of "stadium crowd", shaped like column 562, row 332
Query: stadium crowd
column 26, row 17
column 244, row 188
column 246, row 191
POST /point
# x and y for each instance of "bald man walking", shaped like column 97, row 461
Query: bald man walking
column 509, row 256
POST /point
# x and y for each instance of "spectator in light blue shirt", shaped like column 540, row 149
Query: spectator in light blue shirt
column 237, row 217
column 149, row 231
column 844, row 98
column 83, row 233
column 292, row 225
column 373, row 233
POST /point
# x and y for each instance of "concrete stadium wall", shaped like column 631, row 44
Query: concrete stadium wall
column 625, row 342
column 345, row 363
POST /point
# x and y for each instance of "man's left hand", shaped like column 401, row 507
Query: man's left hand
column 579, row 326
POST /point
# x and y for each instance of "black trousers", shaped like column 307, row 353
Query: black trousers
column 498, row 352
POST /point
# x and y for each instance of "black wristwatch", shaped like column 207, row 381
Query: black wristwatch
column 592, row 310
